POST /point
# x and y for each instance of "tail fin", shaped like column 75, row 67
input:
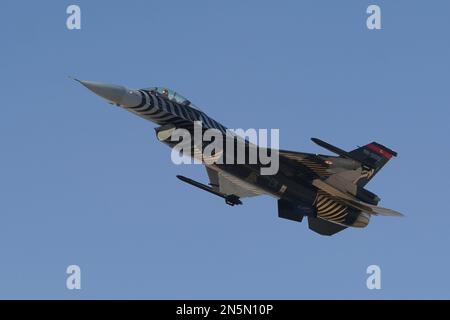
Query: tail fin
column 374, row 156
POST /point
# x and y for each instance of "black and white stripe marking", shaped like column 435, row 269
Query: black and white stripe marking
column 163, row 111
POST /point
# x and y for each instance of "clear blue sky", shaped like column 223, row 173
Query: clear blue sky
column 85, row 183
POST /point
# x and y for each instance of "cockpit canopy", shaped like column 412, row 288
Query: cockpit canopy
column 173, row 96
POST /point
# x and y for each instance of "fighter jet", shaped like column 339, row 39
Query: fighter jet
column 327, row 189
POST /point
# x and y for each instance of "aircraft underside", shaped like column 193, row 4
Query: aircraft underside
column 328, row 190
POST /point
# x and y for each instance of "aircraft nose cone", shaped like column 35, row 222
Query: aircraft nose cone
column 110, row 92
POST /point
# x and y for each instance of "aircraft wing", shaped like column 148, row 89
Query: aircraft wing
column 309, row 160
column 227, row 184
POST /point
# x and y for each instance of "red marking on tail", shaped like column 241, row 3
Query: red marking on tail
column 382, row 152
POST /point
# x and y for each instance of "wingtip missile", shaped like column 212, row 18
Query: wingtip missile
column 230, row 199
column 331, row 148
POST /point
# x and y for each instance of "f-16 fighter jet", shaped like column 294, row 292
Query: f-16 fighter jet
column 327, row 189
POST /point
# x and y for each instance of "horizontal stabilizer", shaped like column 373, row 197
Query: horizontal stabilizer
column 385, row 212
column 353, row 201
